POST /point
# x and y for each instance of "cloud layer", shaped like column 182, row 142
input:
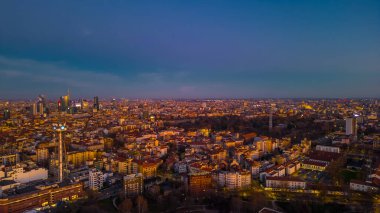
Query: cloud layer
column 190, row 49
column 50, row 77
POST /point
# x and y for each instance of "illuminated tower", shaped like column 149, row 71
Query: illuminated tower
column 41, row 104
column 40, row 108
column 34, row 109
column 114, row 104
column 7, row 114
column 65, row 102
column 84, row 104
column 60, row 128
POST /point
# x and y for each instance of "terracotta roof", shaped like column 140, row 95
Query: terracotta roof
column 324, row 156
column 316, row 163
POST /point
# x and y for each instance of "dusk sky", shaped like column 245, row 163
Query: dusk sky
column 190, row 49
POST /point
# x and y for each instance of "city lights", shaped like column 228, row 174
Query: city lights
column 189, row 106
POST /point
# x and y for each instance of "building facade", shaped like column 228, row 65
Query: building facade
column 41, row 197
column 234, row 180
column 199, row 183
column 351, row 126
column 133, row 185
column 95, row 179
column 285, row 182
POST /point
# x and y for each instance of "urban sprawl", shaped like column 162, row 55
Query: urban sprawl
column 243, row 155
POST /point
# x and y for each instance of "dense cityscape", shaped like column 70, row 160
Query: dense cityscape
column 247, row 155
column 198, row 106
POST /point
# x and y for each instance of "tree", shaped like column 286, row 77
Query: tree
column 141, row 204
column 92, row 195
column 121, row 195
column 235, row 204
column 257, row 201
column 126, row 206
column 92, row 209
column 172, row 201
column 279, row 160
column 323, row 188
column 334, row 168
column 161, row 202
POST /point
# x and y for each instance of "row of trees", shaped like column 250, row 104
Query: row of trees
column 295, row 127
column 139, row 205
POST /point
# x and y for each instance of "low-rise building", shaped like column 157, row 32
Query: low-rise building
column 20, row 175
column 285, row 182
column 149, row 167
column 313, row 165
column 7, row 184
column 180, row 167
column 41, row 196
column 327, row 148
column 290, row 168
column 357, row 185
column 126, row 166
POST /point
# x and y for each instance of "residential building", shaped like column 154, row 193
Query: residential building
column 328, row 148
column 234, row 179
column 199, row 182
column 357, row 185
column 127, row 166
column 285, row 182
column 314, row 165
column 133, row 184
column 96, row 179
column 25, row 176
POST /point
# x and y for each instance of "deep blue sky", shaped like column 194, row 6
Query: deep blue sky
column 190, row 49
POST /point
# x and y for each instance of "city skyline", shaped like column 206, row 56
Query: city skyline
column 190, row 50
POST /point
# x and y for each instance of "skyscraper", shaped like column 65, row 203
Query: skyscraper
column 41, row 104
column 84, row 104
column 40, row 108
column 114, row 103
column 64, row 102
column 34, row 109
column 351, row 126
column 6, row 114
column 96, row 103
